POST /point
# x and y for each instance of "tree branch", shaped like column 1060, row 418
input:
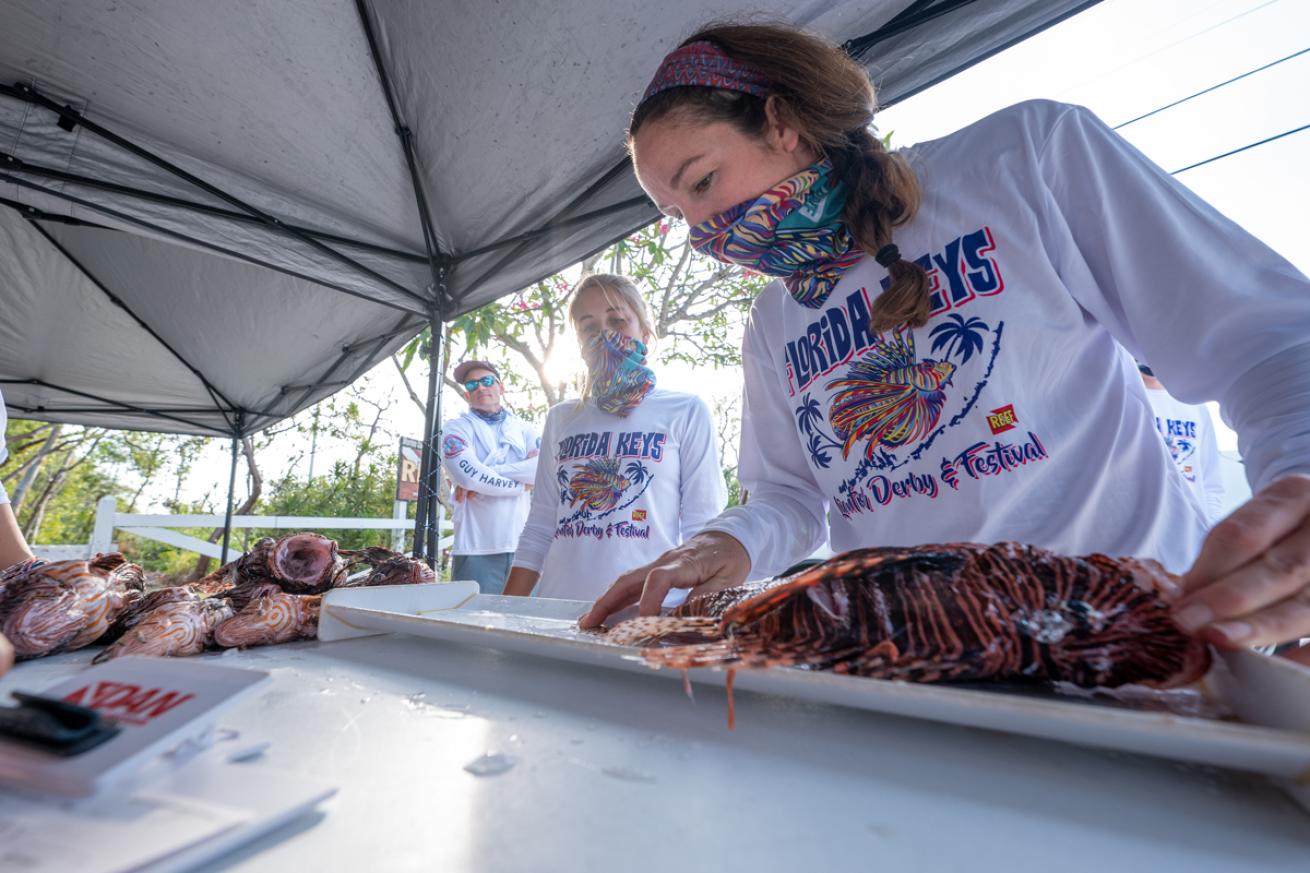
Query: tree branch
column 256, row 489
column 413, row 395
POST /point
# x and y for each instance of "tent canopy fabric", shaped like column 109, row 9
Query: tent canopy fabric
column 212, row 215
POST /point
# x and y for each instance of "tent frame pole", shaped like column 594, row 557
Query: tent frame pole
column 434, row 443
column 427, row 521
column 71, row 118
column 217, row 396
column 17, row 165
column 122, row 408
column 427, row 518
column 231, row 495
column 199, row 243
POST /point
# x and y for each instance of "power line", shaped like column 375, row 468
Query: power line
column 1242, row 149
column 1106, row 73
column 1212, row 88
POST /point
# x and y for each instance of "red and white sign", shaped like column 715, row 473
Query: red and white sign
column 158, row 703
column 125, row 702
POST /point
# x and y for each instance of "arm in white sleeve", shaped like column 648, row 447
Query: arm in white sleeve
column 1216, row 313
column 783, row 520
column 539, row 531
column 524, row 471
column 466, row 471
column 702, row 492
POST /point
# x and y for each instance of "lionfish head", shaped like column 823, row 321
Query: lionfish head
column 938, row 373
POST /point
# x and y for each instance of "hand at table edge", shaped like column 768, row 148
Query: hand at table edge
column 709, row 561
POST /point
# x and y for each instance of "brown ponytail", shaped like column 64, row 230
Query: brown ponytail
column 828, row 98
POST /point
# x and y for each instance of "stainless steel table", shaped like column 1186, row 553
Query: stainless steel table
column 615, row 771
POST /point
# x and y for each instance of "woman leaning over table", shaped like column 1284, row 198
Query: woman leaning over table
column 948, row 352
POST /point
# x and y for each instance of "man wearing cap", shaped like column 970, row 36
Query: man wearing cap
column 491, row 459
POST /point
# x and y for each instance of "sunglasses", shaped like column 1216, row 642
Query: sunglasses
column 486, row 382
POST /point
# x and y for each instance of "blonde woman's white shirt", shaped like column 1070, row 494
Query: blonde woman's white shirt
column 1056, row 253
column 613, row 493
column 492, row 463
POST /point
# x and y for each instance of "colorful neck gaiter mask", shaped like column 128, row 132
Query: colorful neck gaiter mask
column 492, row 417
column 794, row 231
column 619, row 376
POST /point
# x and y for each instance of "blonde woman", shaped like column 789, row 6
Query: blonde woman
column 627, row 471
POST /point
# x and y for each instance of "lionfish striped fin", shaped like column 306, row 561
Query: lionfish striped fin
column 650, row 630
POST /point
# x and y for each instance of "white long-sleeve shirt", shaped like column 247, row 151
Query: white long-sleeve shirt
column 1189, row 436
column 490, row 461
column 1056, row 253
column 613, row 493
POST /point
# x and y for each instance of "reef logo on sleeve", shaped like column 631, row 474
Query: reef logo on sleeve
column 452, row 446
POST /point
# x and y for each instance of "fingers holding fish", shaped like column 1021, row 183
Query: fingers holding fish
column 1251, row 584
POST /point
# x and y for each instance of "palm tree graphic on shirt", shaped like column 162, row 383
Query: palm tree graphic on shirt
column 960, row 338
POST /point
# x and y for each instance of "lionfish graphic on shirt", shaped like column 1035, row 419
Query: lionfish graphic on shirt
column 597, row 486
column 888, row 397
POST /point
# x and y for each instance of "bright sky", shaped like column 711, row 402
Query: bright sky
column 1121, row 58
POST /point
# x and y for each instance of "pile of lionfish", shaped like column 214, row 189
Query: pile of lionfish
column 271, row 594
column 942, row 613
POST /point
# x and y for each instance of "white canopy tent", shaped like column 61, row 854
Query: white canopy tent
column 212, row 215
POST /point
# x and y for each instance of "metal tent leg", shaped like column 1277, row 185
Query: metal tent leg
column 231, row 489
column 427, row 521
column 432, row 447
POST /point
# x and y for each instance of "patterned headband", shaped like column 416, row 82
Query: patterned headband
column 704, row 64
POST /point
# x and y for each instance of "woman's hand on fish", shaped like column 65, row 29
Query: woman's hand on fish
column 706, row 562
column 1251, row 584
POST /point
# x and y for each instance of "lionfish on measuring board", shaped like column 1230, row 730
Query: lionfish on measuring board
column 941, row 613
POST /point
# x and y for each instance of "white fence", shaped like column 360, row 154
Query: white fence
column 157, row 527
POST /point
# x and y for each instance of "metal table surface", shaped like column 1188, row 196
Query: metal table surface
column 612, row 770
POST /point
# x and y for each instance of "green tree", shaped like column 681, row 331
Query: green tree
column 697, row 304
